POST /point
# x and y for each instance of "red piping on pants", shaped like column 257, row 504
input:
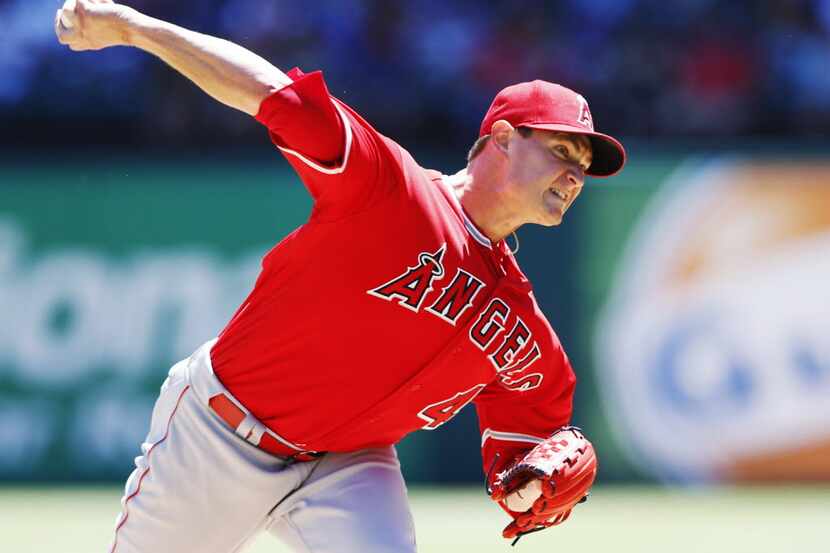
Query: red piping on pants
column 147, row 470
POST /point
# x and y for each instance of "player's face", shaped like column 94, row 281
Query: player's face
column 547, row 171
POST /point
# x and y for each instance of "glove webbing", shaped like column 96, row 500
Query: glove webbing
column 538, row 528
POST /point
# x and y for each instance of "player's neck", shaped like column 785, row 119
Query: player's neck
column 485, row 204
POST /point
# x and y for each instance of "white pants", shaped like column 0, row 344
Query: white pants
column 198, row 487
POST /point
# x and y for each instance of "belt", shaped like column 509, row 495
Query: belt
column 229, row 412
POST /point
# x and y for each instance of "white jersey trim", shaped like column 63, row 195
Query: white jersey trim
column 477, row 235
column 509, row 437
column 346, row 150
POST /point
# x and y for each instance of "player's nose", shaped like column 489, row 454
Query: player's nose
column 575, row 177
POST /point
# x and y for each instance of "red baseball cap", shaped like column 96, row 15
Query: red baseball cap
column 548, row 106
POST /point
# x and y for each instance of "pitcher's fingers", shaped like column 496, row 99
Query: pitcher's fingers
column 61, row 31
column 81, row 9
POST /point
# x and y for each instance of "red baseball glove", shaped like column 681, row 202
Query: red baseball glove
column 565, row 466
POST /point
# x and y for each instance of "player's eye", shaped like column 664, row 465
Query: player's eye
column 562, row 150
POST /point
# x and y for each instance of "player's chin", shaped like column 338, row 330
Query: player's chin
column 551, row 219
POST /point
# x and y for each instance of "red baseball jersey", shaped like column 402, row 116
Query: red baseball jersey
column 388, row 311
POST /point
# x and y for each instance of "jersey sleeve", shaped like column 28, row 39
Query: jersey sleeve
column 512, row 422
column 344, row 163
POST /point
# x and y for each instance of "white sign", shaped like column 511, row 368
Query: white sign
column 713, row 350
column 82, row 328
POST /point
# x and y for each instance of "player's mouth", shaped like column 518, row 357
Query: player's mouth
column 559, row 194
column 555, row 200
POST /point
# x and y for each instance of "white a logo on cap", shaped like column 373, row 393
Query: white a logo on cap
column 585, row 113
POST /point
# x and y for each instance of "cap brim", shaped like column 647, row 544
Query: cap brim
column 608, row 154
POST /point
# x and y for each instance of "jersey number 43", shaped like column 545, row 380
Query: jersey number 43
column 440, row 412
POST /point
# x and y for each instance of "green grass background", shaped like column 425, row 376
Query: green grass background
column 616, row 519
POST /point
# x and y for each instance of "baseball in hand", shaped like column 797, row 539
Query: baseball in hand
column 68, row 14
column 522, row 499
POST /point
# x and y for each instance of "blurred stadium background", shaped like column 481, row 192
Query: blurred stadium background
column 690, row 292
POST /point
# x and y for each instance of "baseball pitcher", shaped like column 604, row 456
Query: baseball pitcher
column 398, row 303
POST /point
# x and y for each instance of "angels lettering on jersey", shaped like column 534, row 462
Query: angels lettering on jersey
column 499, row 333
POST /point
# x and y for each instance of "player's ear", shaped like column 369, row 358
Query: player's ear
column 500, row 134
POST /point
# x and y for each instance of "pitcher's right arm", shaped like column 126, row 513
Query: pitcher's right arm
column 228, row 72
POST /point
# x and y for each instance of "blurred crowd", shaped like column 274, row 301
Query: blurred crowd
column 424, row 71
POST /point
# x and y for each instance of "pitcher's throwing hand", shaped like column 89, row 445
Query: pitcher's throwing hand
column 92, row 24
